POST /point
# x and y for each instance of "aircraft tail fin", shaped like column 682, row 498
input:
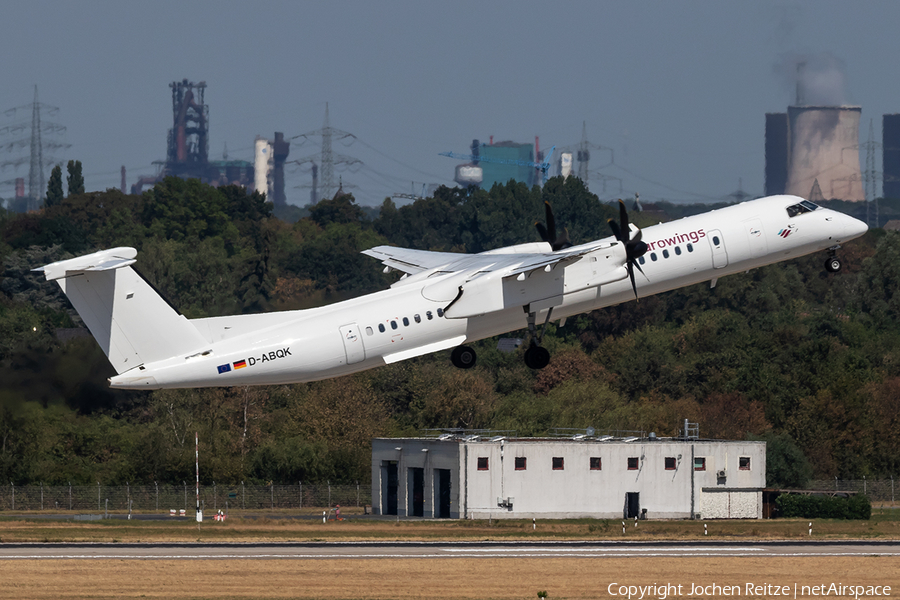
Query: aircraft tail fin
column 132, row 323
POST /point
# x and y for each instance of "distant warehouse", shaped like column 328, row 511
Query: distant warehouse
column 480, row 476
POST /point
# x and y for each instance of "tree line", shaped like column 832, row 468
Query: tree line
column 808, row 361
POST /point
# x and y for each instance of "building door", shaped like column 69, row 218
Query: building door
column 632, row 504
column 415, row 492
column 389, row 484
column 719, row 256
column 353, row 344
column 442, row 493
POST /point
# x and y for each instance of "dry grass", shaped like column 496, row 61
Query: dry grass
column 885, row 524
column 420, row 578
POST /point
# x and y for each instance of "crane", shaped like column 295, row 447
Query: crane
column 542, row 166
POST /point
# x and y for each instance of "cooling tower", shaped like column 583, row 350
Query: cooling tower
column 776, row 153
column 823, row 147
column 890, row 140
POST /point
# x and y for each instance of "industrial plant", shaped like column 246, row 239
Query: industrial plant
column 812, row 150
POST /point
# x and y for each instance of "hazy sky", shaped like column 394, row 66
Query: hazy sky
column 677, row 90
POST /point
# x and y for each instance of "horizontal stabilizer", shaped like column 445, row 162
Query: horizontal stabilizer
column 105, row 260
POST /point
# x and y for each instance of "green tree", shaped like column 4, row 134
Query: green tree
column 75, row 180
column 54, row 188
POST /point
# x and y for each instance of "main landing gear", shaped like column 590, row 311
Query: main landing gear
column 463, row 357
column 833, row 263
column 536, row 357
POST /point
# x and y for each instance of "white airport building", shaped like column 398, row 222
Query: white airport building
column 460, row 476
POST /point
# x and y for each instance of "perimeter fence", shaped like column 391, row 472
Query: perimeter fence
column 878, row 490
column 147, row 498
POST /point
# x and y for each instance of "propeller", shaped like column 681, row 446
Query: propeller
column 634, row 247
column 548, row 233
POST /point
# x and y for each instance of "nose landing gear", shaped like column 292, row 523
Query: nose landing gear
column 833, row 263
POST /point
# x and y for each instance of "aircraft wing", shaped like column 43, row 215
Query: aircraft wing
column 412, row 261
column 496, row 282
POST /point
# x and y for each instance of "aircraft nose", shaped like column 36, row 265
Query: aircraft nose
column 853, row 228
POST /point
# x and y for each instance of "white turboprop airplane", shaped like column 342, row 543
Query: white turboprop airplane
column 443, row 301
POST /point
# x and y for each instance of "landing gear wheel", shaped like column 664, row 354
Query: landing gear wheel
column 833, row 264
column 463, row 357
column 537, row 357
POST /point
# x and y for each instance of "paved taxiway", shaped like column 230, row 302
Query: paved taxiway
column 374, row 550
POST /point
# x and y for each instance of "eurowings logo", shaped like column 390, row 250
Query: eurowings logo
column 787, row 231
column 678, row 238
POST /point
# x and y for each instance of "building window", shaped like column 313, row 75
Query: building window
column 596, row 465
column 699, row 463
column 670, row 463
column 520, row 463
column 633, row 463
column 482, row 463
column 744, row 463
column 558, row 463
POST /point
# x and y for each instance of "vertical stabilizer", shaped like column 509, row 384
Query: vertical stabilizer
column 126, row 316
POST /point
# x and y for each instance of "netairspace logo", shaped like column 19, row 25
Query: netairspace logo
column 769, row 590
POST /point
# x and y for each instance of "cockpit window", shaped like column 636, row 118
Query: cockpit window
column 803, row 207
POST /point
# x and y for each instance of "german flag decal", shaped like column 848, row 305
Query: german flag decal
column 240, row 364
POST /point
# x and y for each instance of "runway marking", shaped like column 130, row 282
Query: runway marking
column 540, row 554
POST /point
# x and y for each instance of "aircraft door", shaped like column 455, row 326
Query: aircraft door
column 757, row 238
column 719, row 256
column 353, row 344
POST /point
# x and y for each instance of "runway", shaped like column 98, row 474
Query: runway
column 443, row 550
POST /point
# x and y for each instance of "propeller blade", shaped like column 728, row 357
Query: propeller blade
column 633, row 283
column 615, row 229
column 542, row 231
column 562, row 241
column 551, row 222
column 623, row 220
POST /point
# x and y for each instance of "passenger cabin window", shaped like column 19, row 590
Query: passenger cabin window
column 369, row 331
column 405, row 322
column 428, row 315
column 665, row 254
column 417, row 318
column 520, row 463
column 690, row 247
column 440, row 312
column 381, row 327
column 653, row 256
column 678, row 250
column 642, row 260
column 482, row 463
column 803, row 207
column 393, row 324
column 715, row 240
